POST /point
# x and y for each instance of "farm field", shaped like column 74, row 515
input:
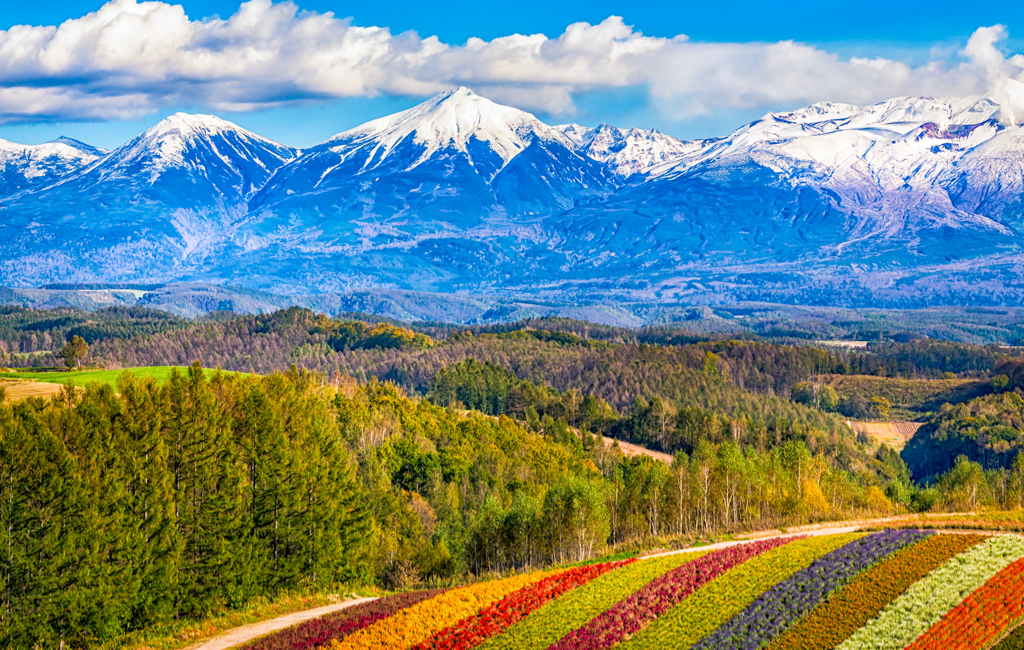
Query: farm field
column 888, row 589
column 21, row 388
column 83, row 377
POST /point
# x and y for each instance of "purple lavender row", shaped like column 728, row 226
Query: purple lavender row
column 788, row 601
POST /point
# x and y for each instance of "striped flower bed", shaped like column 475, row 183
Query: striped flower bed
column 928, row 600
column 561, row 616
column 784, row 604
column 471, row 631
column 632, row 613
column 853, row 606
column 981, row 617
column 715, row 603
column 419, row 622
column 896, row 589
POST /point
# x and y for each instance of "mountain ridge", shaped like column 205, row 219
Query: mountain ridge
column 462, row 194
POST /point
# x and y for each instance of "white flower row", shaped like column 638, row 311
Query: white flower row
column 927, row 601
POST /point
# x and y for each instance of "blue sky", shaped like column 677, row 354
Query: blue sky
column 734, row 63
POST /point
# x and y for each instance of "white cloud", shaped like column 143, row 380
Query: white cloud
column 130, row 58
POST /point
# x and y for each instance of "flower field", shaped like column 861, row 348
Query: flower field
column 838, row 618
column 471, row 631
column 713, row 605
column 553, row 621
column 916, row 589
column 650, row 601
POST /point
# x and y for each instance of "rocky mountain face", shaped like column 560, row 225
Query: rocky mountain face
column 911, row 199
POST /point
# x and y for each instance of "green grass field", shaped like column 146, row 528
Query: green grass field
column 83, row 377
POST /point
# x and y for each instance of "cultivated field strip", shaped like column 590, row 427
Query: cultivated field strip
column 895, row 589
column 928, row 600
column 835, row 620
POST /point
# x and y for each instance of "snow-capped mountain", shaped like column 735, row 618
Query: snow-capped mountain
column 165, row 200
column 456, row 160
column 26, row 165
column 627, row 151
column 903, row 182
column 212, row 160
column 460, row 193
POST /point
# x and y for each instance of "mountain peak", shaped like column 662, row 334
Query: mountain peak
column 187, row 123
column 451, row 119
column 168, row 140
column 626, row 151
column 36, row 164
column 79, row 145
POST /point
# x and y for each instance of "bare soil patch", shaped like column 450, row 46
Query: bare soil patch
column 894, row 434
column 629, row 449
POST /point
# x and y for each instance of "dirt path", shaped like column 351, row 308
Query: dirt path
column 816, row 532
column 826, row 528
column 246, row 633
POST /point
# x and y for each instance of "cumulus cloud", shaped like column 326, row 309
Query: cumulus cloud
column 130, row 58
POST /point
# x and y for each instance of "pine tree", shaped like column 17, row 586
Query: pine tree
column 155, row 542
column 208, row 492
column 43, row 519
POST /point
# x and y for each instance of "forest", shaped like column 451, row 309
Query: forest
column 351, row 451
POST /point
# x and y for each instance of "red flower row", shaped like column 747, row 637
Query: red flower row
column 982, row 616
column 494, row 619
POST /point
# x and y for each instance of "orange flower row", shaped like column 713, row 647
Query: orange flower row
column 415, row 624
column 982, row 616
column 471, row 632
column 835, row 620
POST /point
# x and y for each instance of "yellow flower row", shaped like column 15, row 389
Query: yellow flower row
column 415, row 624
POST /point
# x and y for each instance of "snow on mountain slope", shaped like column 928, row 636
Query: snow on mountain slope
column 460, row 192
column 449, row 120
column 893, row 138
column 627, row 151
column 891, row 165
column 26, row 165
column 171, row 196
column 455, row 159
column 202, row 151
column 903, row 181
